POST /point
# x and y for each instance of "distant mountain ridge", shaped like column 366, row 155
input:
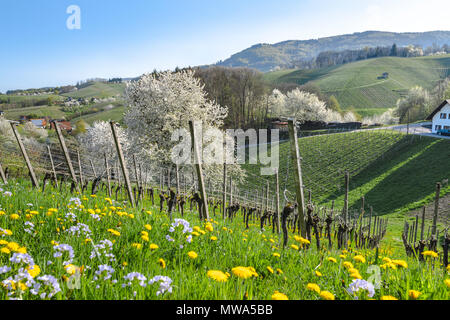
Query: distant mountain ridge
column 268, row 57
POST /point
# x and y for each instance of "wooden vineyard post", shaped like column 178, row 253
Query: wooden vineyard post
column 278, row 201
column 198, row 167
column 80, row 170
column 422, row 228
column 34, row 180
column 295, row 153
column 53, row 166
column 136, row 171
column 436, row 209
column 122, row 164
column 178, row 179
column 93, row 168
column 231, row 191
column 118, row 174
column 66, row 155
column 108, row 175
column 2, row 174
column 347, row 182
column 224, row 187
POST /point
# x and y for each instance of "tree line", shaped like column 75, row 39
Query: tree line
column 332, row 58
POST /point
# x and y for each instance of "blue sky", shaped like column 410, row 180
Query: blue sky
column 127, row 38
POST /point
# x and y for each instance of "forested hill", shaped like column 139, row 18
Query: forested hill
column 267, row 57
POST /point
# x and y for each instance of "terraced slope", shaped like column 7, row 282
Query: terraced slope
column 393, row 171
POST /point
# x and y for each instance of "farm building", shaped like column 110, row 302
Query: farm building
column 64, row 125
column 39, row 123
column 440, row 117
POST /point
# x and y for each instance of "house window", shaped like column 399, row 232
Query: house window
column 438, row 127
column 443, row 116
column 446, row 127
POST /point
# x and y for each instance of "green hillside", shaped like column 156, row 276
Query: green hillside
column 266, row 57
column 98, row 90
column 115, row 114
column 14, row 108
column 393, row 171
column 357, row 84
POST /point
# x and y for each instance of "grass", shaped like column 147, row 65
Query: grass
column 357, row 84
column 292, row 270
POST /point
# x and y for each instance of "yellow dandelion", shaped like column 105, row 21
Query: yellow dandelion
column 388, row 298
column 359, row 258
column 313, row 287
column 327, row 295
column 430, row 254
column 279, row 296
column 34, row 271
column 217, row 275
column 22, row 250
column 162, row 263
column 413, row 294
column 295, row 247
column 148, row 227
column 71, row 269
column 331, row 259
column 242, row 272
column 400, row 263
column 348, row 264
column 13, row 246
column 447, row 282
column 270, row 269
column 192, row 255
column 213, row 238
column 153, row 246
column 114, row 232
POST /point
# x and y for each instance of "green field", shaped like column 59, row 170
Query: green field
column 52, row 111
column 98, row 90
column 357, row 84
column 115, row 114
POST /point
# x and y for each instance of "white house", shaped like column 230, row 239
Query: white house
column 441, row 117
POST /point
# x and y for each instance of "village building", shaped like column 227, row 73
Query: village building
column 440, row 119
column 39, row 123
column 63, row 124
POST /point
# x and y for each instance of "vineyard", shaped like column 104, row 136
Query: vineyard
column 357, row 85
column 101, row 226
